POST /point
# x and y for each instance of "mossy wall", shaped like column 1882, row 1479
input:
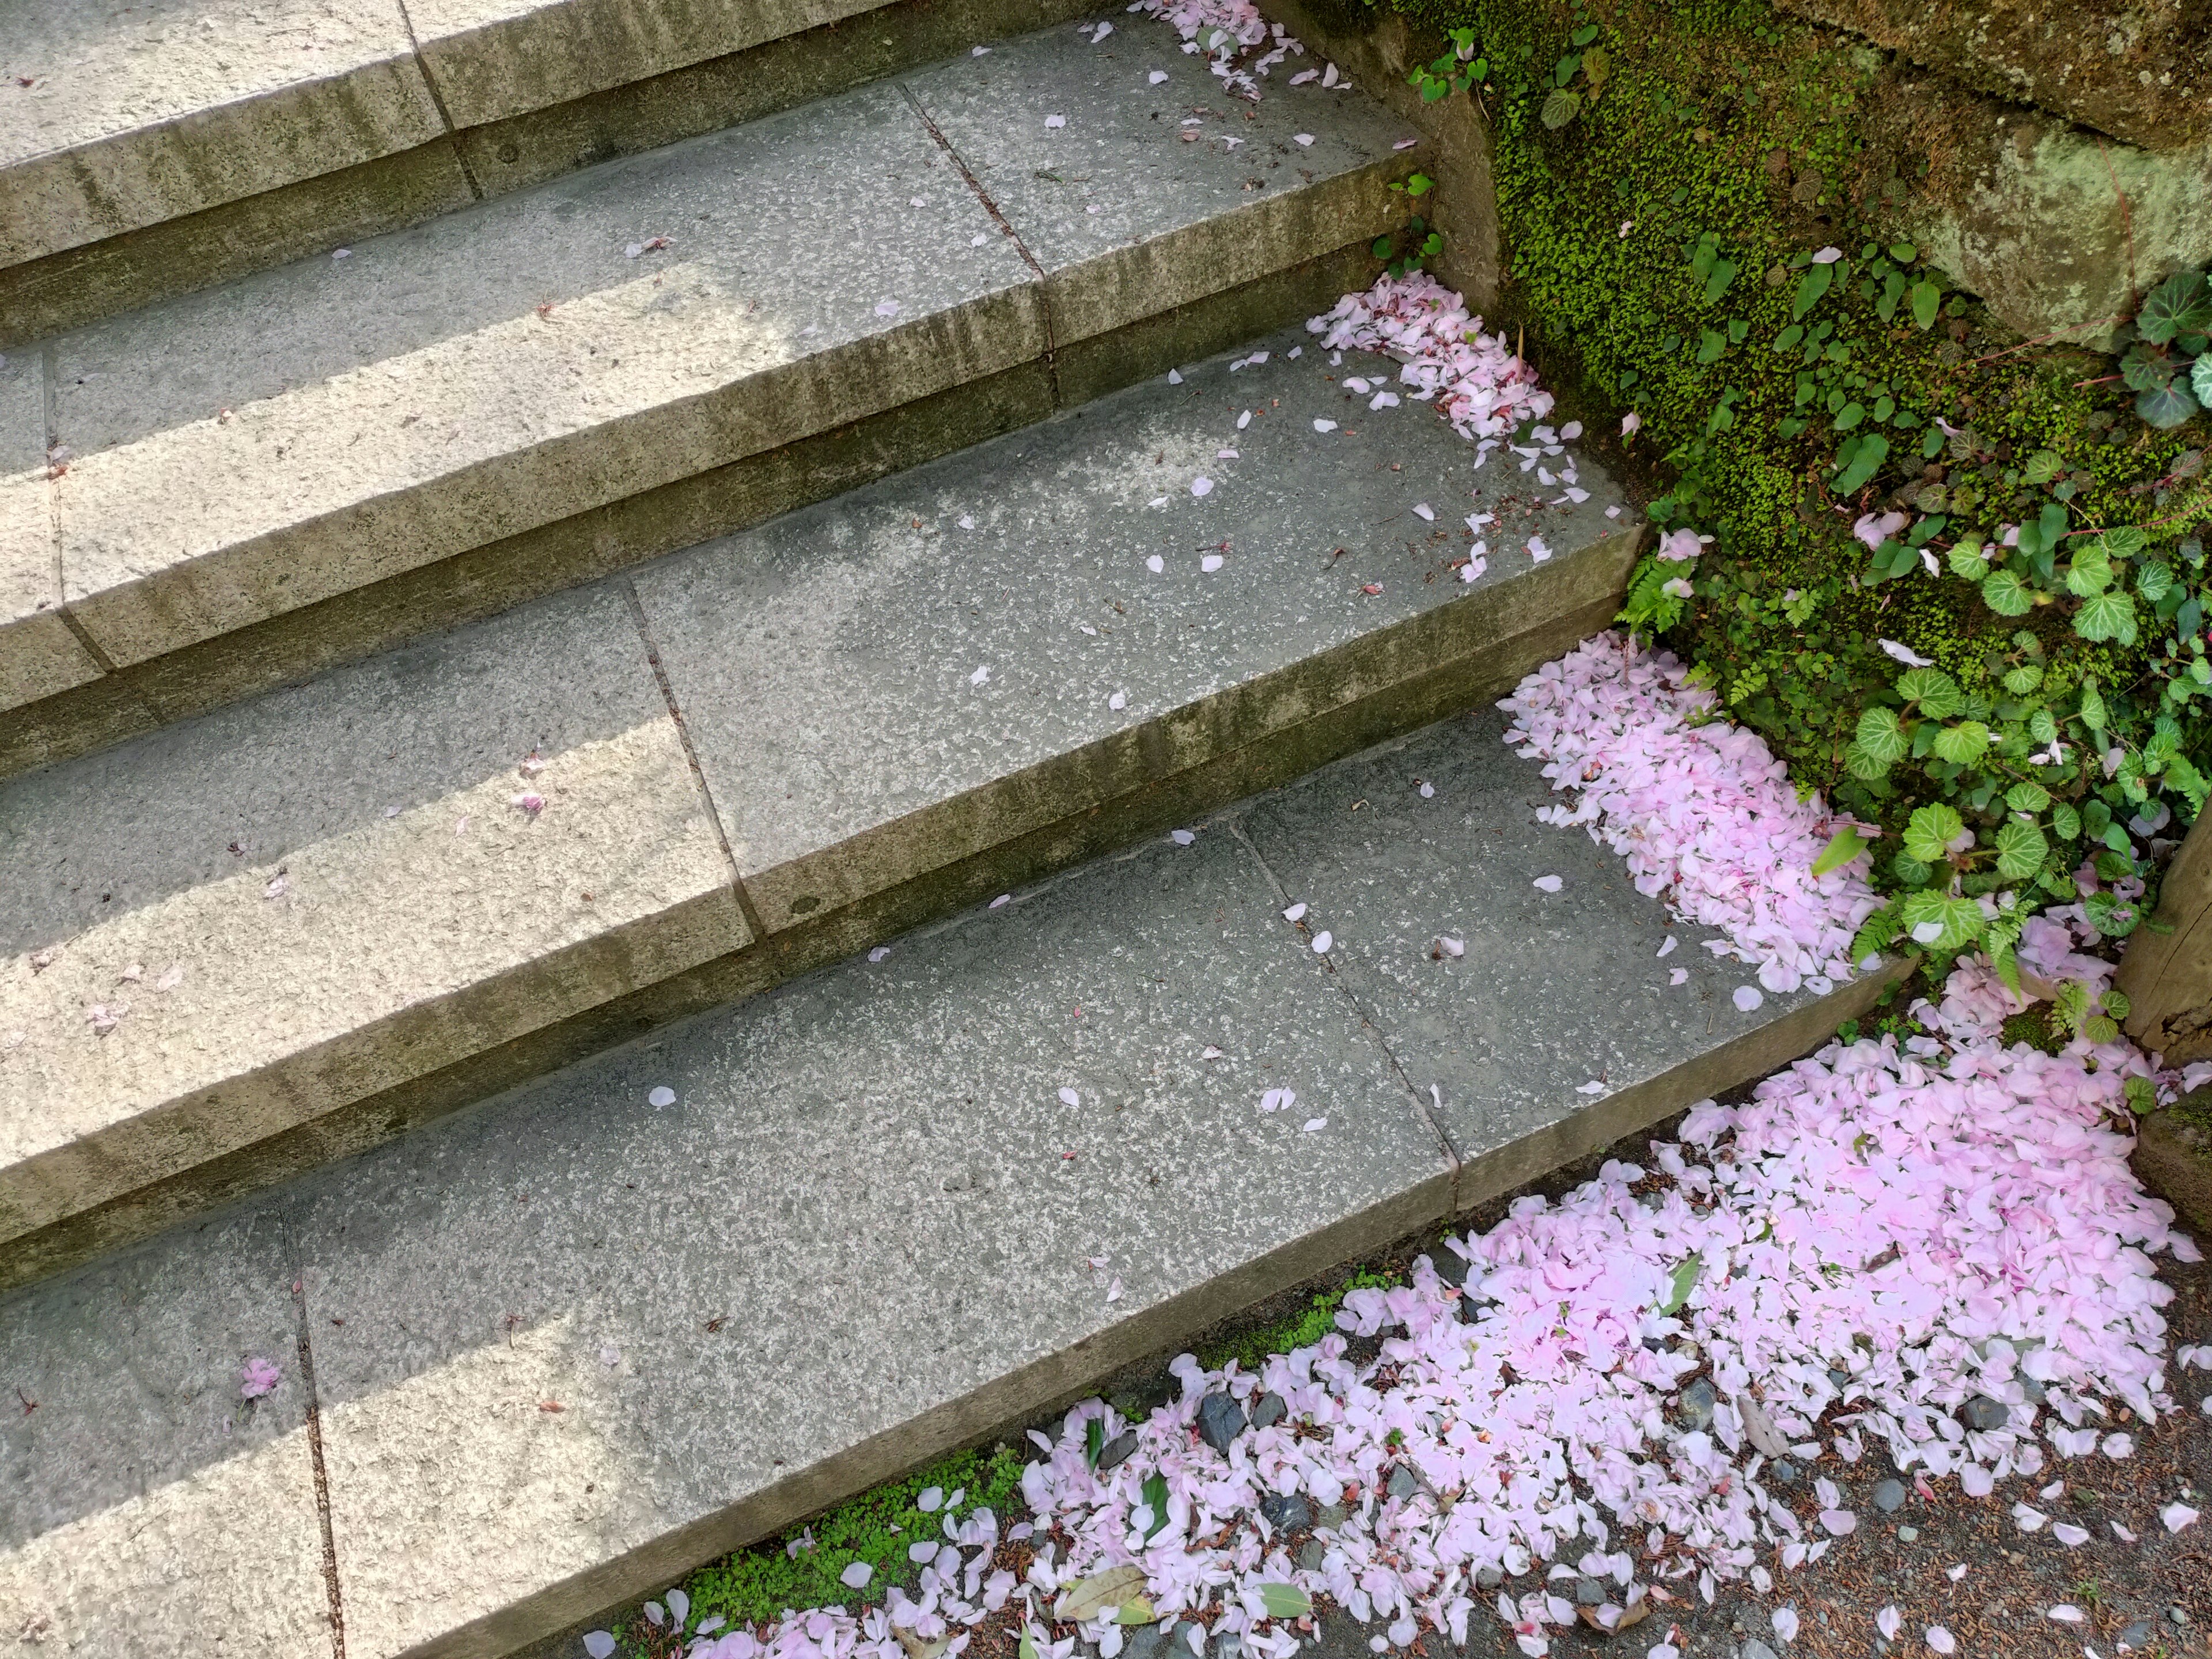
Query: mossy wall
column 1667, row 178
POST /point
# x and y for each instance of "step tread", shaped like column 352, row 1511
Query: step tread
column 141, row 113
column 236, row 455
column 495, row 59
column 822, row 666
column 863, row 1178
column 138, row 114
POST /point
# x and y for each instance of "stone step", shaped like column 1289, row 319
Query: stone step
column 547, row 1355
column 250, row 483
column 148, row 150
column 262, row 938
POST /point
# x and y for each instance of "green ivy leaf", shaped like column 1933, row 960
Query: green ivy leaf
column 2182, row 304
column 1862, row 765
column 1967, row 560
column 2107, row 616
column 2022, row 849
column 1685, row 1281
column 2091, row 573
column 1929, row 832
column 1936, row 691
column 1285, row 1601
column 1873, row 450
column 2027, row 797
column 1810, row 289
column 1561, row 107
column 1926, row 297
column 1962, row 744
column 1842, row 847
column 1716, row 284
column 1882, row 735
column 2004, row 593
column 1934, row 921
column 2092, row 707
column 2169, row 406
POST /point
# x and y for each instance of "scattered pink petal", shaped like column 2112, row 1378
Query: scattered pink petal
column 261, row 1376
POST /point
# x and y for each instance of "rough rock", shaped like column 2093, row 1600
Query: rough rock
column 2174, row 1155
column 1403, row 1484
column 1984, row 1414
column 1220, row 1420
column 1287, row 1512
column 1696, row 1411
column 2138, row 70
column 1117, row 1451
column 2168, row 975
column 1889, row 1496
column 1268, row 1410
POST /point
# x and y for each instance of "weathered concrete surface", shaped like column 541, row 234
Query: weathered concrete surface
column 139, row 112
column 217, row 933
column 1379, row 49
column 1118, row 210
column 824, row 665
column 828, row 663
column 856, row 44
column 145, row 1507
column 1556, row 991
column 2167, row 972
column 866, row 1177
column 494, row 58
column 316, row 429
column 38, row 656
column 244, row 454
column 571, row 1344
column 2139, row 70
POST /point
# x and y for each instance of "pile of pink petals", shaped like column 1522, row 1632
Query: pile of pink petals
column 1702, row 813
column 1228, row 31
column 1879, row 1237
column 1478, row 381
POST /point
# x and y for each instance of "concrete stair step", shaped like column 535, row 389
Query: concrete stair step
column 148, row 150
column 547, row 1355
column 252, row 482
column 260, row 940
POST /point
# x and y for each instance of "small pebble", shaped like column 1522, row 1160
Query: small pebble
column 1908, row 1534
column 1889, row 1496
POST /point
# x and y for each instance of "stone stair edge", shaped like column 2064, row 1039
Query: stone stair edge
column 376, row 1430
column 139, row 634
column 433, row 114
column 661, row 937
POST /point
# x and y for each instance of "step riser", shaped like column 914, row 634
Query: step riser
column 91, row 1195
column 175, row 239
column 494, row 576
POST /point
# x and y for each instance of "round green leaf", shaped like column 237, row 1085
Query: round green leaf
column 1930, row 831
column 2004, row 593
column 2027, row 797
column 1962, row 744
column 2022, row 849
column 1882, row 735
column 2023, row 679
column 2107, row 616
column 1936, row 691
